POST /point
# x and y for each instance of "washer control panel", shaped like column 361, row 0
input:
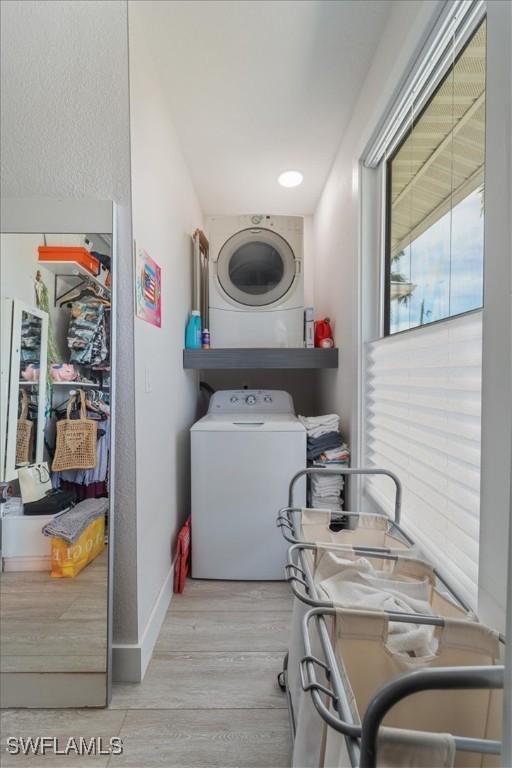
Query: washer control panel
column 251, row 400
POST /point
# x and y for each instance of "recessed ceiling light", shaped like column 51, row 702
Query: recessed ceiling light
column 290, row 179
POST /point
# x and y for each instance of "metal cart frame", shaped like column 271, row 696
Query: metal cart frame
column 361, row 740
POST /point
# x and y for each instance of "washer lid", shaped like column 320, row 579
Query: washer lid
column 256, row 267
column 246, row 422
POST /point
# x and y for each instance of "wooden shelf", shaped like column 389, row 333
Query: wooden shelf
column 275, row 357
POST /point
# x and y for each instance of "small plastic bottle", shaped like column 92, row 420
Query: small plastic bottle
column 193, row 331
column 205, row 339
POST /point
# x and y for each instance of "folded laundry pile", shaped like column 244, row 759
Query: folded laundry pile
column 318, row 445
column 316, row 426
column 325, row 448
column 70, row 524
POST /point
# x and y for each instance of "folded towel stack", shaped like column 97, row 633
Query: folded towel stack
column 71, row 524
column 325, row 447
column 316, row 426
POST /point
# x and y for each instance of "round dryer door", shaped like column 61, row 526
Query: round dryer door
column 256, row 267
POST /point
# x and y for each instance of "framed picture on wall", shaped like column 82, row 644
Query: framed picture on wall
column 148, row 288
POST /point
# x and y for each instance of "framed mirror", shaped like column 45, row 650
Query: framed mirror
column 57, row 260
column 27, row 387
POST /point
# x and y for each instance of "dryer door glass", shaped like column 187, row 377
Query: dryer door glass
column 256, row 267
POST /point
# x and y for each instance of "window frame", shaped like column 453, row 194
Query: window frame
column 387, row 206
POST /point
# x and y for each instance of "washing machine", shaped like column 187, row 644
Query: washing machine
column 256, row 281
column 244, row 453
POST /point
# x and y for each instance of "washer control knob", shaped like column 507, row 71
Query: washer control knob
column 250, row 400
column 233, row 399
column 267, row 399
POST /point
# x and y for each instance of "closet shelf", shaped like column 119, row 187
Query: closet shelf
column 79, row 385
column 72, row 269
column 250, row 358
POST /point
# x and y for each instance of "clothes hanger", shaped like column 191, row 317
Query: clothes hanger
column 84, row 287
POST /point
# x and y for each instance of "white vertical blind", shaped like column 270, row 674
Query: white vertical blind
column 423, row 407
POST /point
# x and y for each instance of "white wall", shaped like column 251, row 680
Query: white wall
column 165, row 213
column 65, row 134
column 337, row 217
column 495, row 589
column 336, row 225
column 495, row 513
column 339, row 282
column 18, row 267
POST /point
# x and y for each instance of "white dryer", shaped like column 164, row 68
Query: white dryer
column 256, row 282
column 244, row 453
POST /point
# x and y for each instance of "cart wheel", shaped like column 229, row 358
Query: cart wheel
column 281, row 681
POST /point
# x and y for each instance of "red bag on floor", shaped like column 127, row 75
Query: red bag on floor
column 182, row 566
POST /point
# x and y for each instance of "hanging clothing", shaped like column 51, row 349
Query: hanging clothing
column 92, row 491
column 30, row 350
column 87, row 337
column 43, row 302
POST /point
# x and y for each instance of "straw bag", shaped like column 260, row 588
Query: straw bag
column 24, row 433
column 76, row 440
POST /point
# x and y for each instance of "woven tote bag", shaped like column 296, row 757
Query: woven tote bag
column 24, row 433
column 76, row 440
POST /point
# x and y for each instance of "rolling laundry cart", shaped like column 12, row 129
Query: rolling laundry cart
column 382, row 532
column 329, row 577
column 362, row 682
column 324, row 695
column 299, row 524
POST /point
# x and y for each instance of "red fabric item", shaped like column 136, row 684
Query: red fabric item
column 182, row 566
column 323, row 330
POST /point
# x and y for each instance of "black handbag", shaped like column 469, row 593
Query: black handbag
column 54, row 501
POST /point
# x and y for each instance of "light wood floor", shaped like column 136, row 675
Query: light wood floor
column 54, row 625
column 209, row 698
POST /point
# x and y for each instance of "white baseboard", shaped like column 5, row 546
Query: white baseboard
column 130, row 661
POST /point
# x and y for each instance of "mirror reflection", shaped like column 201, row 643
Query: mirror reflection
column 56, row 441
column 28, row 394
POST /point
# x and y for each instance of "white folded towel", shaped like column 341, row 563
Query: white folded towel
column 316, row 426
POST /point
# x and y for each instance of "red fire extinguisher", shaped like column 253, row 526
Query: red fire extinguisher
column 323, row 333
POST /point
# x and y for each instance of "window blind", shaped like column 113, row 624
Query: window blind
column 422, row 421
